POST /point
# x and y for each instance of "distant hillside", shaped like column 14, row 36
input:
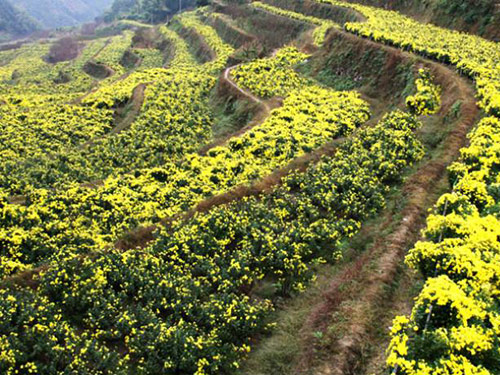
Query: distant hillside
column 15, row 22
column 57, row 13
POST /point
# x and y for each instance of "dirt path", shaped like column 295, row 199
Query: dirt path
column 244, row 92
column 265, row 108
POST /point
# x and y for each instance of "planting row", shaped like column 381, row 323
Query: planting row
column 78, row 219
column 474, row 56
column 174, row 119
column 222, row 50
column 272, row 76
column 187, row 303
column 454, row 327
column 112, row 53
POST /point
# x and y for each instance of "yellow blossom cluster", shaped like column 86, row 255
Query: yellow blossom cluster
column 79, row 218
column 112, row 53
column 182, row 303
column 454, row 326
column 272, row 76
column 472, row 55
column 31, row 132
column 174, row 119
column 427, row 99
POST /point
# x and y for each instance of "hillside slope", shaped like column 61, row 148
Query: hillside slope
column 13, row 21
column 234, row 191
column 56, row 13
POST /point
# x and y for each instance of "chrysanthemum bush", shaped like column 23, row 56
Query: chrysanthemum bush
column 472, row 55
column 272, row 76
column 56, row 223
column 427, row 99
column 43, row 147
column 185, row 304
column 454, row 326
column 455, row 323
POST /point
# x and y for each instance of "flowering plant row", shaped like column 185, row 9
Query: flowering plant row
column 182, row 58
column 183, row 305
column 474, row 56
column 175, row 119
column 113, row 52
column 222, row 50
column 78, row 219
column 272, row 76
column 455, row 323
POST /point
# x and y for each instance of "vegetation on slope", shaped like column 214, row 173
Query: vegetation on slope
column 15, row 22
column 152, row 11
column 189, row 299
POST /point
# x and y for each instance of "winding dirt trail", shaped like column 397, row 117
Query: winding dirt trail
column 265, row 108
column 227, row 77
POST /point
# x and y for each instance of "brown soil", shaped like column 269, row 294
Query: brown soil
column 125, row 119
column 98, row 71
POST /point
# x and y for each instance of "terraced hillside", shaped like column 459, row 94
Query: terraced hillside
column 271, row 187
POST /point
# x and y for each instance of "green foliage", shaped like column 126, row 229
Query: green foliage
column 471, row 11
column 15, row 22
column 181, row 305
